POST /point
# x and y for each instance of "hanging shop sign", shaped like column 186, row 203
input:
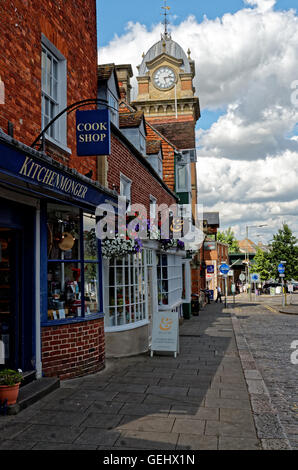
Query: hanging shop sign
column 93, row 132
column 210, row 269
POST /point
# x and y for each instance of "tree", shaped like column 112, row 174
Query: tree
column 228, row 237
column 262, row 264
column 284, row 248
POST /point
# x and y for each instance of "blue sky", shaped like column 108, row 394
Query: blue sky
column 246, row 56
column 113, row 15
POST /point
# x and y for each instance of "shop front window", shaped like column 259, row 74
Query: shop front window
column 169, row 279
column 126, row 290
column 73, row 266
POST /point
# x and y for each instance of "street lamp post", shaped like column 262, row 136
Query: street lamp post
column 247, row 256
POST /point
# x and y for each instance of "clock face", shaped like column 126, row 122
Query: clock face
column 164, row 78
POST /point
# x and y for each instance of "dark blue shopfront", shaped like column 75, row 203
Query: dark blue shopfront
column 17, row 288
column 50, row 259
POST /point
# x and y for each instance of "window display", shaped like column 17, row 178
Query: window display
column 73, row 272
column 126, row 289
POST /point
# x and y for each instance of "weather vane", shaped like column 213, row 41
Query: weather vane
column 166, row 9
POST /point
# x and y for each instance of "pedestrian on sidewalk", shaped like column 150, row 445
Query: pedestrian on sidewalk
column 218, row 294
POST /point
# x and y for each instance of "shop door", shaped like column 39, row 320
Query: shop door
column 10, row 299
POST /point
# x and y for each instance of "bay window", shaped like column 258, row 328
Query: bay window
column 73, row 278
column 125, row 290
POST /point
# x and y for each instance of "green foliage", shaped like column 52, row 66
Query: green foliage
column 284, row 248
column 262, row 264
column 228, row 237
column 10, row 377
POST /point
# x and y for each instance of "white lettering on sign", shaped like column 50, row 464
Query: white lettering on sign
column 44, row 175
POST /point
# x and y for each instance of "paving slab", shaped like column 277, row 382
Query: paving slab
column 146, row 423
column 198, row 400
column 195, row 442
column 189, row 426
column 97, row 436
column 51, row 433
column 238, row 443
column 147, row 440
column 235, row 429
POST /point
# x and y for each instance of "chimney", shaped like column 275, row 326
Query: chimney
column 124, row 74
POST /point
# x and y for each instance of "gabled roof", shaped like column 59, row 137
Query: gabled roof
column 212, row 218
column 247, row 246
column 134, row 119
column 153, row 147
column 105, row 72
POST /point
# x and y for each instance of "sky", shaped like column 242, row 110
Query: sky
column 246, row 56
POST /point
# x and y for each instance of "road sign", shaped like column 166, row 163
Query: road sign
column 224, row 268
column 231, row 272
column 290, row 288
column 282, row 275
column 242, row 277
column 281, row 268
column 255, row 277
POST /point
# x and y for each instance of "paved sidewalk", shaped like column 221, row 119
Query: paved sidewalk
column 197, row 401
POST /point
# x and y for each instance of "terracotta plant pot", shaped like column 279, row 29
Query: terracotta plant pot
column 10, row 392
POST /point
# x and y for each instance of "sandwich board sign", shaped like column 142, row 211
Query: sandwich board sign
column 165, row 332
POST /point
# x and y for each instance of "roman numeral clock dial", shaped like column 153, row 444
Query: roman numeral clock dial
column 164, row 78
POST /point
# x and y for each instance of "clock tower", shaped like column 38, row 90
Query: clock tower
column 166, row 93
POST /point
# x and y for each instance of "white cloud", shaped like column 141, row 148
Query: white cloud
column 246, row 63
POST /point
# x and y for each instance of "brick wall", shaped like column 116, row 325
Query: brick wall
column 168, row 164
column 71, row 27
column 73, row 350
column 144, row 183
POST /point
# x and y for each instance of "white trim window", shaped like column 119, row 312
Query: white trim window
column 169, row 279
column 53, row 91
column 126, row 290
column 114, row 109
column 125, row 189
column 183, row 179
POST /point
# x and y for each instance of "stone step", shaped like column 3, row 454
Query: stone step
column 28, row 377
column 32, row 392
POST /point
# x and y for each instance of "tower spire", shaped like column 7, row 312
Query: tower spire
column 166, row 9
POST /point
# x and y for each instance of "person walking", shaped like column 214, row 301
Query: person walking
column 218, row 294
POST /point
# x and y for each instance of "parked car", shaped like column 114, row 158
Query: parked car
column 266, row 287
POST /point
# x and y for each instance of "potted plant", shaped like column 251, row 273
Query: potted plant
column 9, row 385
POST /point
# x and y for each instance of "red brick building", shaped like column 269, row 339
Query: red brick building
column 133, row 170
column 48, row 61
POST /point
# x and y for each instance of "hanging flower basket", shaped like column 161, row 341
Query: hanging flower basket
column 119, row 247
column 167, row 244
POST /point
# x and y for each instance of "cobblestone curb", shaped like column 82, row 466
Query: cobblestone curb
column 268, row 425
